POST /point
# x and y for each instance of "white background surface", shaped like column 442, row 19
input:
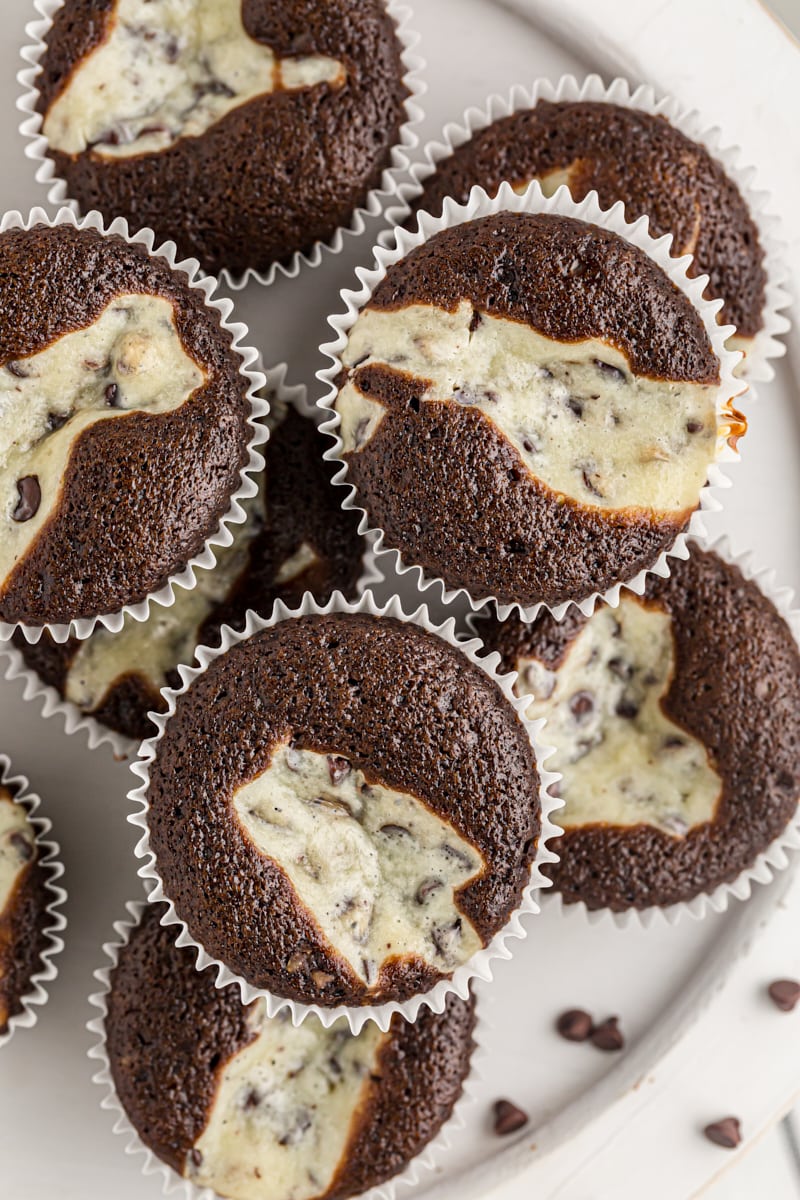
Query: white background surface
column 738, row 1057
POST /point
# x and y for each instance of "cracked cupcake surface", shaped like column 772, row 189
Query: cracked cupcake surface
column 547, row 378
column 23, row 901
column 258, row 1109
column 296, row 538
column 676, row 722
column 631, row 156
column 123, row 424
column 285, row 115
column 367, row 824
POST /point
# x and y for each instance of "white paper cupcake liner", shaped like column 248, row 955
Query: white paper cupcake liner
column 561, row 204
column 186, row 578
column 777, row 856
column 480, row 966
column 53, row 920
column 408, row 140
column 756, row 366
column 75, row 719
column 150, row 1164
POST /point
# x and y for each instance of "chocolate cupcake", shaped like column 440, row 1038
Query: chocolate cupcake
column 676, row 722
column 622, row 153
column 24, row 899
column 296, row 538
column 529, row 406
column 245, row 130
column 360, row 800
column 126, row 425
column 254, row 1107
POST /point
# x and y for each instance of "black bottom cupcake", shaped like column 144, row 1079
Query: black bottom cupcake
column 676, row 719
column 23, row 902
column 259, row 1109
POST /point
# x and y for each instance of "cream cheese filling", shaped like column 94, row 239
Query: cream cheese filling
column 581, row 421
column 170, row 69
column 624, row 762
column 375, row 867
column 131, row 359
column 17, row 848
column 284, row 1110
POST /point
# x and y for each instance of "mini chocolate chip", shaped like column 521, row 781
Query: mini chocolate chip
column 252, row 1099
column 530, row 446
column 575, row 1025
column 607, row 1035
column 694, row 426
column 608, row 369
column 784, row 994
column 427, row 888
column 338, row 768
column 214, row 87
column 152, row 129
column 475, row 320
column 30, row 497
column 17, row 369
column 196, row 1156
column 395, row 830
column 293, row 1135
column 589, row 485
column 727, row 1132
column 575, row 406
column 22, row 846
column 627, row 708
column 335, row 1066
column 508, row 1118
column 458, row 855
column 673, row 742
column 171, row 50
column 446, row 937
column 581, row 705
column 619, row 667
column 112, row 395
column 56, row 420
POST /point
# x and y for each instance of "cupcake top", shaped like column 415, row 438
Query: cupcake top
column 676, row 722
column 123, row 424
column 628, row 155
column 23, row 900
column 549, row 380
column 359, row 799
column 258, row 1109
column 296, row 538
column 244, row 129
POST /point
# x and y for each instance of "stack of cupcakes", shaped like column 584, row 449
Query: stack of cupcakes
column 345, row 811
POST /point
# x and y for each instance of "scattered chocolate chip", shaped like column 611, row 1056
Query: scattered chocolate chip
column 458, row 855
column 338, row 768
column 607, row 1035
column 395, row 830
column 56, row 420
column 22, row 846
column 727, row 1132
column 196, row 1156
column 427, row 888
column 321, row 979
column 673, row 742
column 530, row 446
column 590, row 485
column 575, row 406
column 112, row 395
column 784, row 994
column 30, row 497
column 252, row 1099
column 293, row 1135
column 619, row 667
column 581, row 705
column 575, row 1025
column 17, row 369
column 335, row 1067
column 475, row 320
column 171, row 50
column 152, row 129
column 608, row 369
column 333, row 805
column 508, row 1118
column 694, row 426
column 213, row 87
column 627, row 708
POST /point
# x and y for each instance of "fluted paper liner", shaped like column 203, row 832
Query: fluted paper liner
column 150, row 1164
column 53, row 922
column 407, row 142
column 480, row 965
column 560, row 204
column 81, row 627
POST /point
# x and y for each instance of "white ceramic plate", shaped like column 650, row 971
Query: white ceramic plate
column 701, row 1039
